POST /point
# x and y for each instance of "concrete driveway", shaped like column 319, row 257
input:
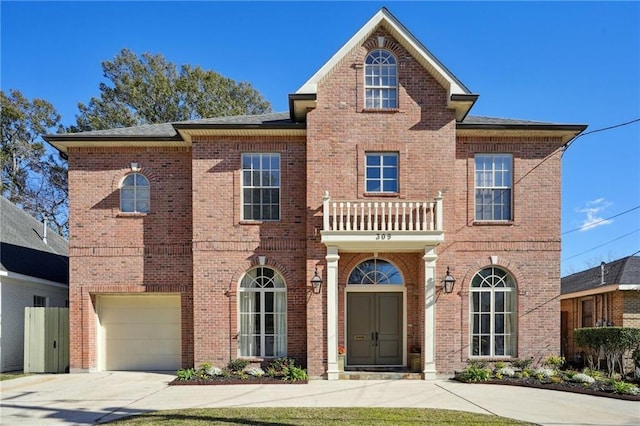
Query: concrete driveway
column 87, row 399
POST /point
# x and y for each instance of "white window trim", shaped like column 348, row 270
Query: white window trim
column 135, row 193
column 379, row 88
column 243, row 187
column 381, row 167
column 476, row 187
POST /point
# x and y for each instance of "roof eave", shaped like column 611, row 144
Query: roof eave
column 566, row 132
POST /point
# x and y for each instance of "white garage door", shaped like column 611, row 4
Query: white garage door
column 139, row 332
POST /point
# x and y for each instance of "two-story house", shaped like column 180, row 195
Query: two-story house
column 332, row 224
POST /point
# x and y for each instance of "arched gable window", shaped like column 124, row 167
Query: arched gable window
column 135, row 194
column 381, row 80
column 375, row 271
column 493, row 313
column 262, row 301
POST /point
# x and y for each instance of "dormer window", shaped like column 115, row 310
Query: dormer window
column 134, row 194
column 381, row 80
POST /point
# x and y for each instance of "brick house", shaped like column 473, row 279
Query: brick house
column 198, row 241
column 606, row 295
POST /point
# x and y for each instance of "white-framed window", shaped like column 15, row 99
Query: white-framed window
column 381, row 79
column 377, row 272
column 381, row 172
column 261, row 186
column 493, row 187
column 262, row 301
column 135, row 194
column 39, row 301
column 493, row 314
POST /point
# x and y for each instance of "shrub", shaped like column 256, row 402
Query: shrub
column 280, row 364
column 522, row 363
column 625, row 388
column 544, row 373
column 293, row 373
column 254, row 371
column 553, row 361
column 499, row 365
column 186, row 373
column 582, row 378
column 507, row 372
column 237, row 365
column 477, row 371
column 614, row 341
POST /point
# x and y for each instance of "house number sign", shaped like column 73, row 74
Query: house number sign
column 383, row 236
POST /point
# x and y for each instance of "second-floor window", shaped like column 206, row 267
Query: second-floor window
column 493, row 187
column 381, row 172
column 380, row 80
column 135, row 194
column 261, row 186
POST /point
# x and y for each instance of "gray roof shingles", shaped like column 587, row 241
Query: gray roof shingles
column 167, row 130
column 23, row 251
column 621, row 271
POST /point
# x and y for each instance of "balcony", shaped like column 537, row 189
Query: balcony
column 382, row 226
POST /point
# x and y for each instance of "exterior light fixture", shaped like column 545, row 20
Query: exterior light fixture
column 135, row 167
column 448, row 282
column 262, row 260
column 316, row 282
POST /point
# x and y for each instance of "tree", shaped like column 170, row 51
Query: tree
column 32, row 178
column 147, row 89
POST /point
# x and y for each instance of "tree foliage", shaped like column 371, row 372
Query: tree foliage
column 615, row 342
column 32, row 178
column 147, row 89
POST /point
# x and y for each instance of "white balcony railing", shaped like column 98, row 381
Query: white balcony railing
column 382, row 216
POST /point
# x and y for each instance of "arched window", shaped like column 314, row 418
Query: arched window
column 262, row 300
column 493, row 313
column 381, row 80
column 135, row 194
column 375, row 271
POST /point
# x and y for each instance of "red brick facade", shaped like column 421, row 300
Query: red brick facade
column 195, row 244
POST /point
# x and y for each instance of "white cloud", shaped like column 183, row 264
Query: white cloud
column 593, row 210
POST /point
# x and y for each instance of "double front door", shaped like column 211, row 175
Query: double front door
column 374, row 329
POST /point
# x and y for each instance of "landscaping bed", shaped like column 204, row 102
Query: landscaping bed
column 550, row 376
column 241, row 372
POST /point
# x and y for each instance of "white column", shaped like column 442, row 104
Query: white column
column 429, row 345
column 332, row 313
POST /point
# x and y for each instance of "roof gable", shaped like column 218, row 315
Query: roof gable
column 23, row 250
column 459, row 96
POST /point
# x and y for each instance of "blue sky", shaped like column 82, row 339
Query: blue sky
column 573, row 62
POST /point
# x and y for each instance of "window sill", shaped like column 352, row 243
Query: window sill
column 381, row 194
column 131, row 214
column 257, row 222
column 493, row 223
column 381, row 110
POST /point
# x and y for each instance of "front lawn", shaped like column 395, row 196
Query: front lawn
column 315, row 416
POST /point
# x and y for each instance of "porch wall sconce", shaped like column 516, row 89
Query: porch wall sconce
column 316, row 282
column 448, row 282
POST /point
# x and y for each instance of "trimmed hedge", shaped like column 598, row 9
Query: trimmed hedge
column 615, row 342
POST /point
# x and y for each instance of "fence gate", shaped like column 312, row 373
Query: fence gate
column 46, row 340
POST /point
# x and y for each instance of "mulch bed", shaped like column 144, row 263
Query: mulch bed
column 251, row 380
column 594, row 389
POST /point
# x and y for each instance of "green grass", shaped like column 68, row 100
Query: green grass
column 12, row 375
column 314, row 416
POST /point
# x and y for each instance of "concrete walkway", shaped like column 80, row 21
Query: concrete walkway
column 86, row 399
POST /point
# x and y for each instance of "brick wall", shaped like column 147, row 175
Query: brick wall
column 422, row 131
column 225, row 247
column 111, row 252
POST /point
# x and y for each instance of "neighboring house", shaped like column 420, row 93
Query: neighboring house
column 606, row 295
column 34, row 271
column 198, row 241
